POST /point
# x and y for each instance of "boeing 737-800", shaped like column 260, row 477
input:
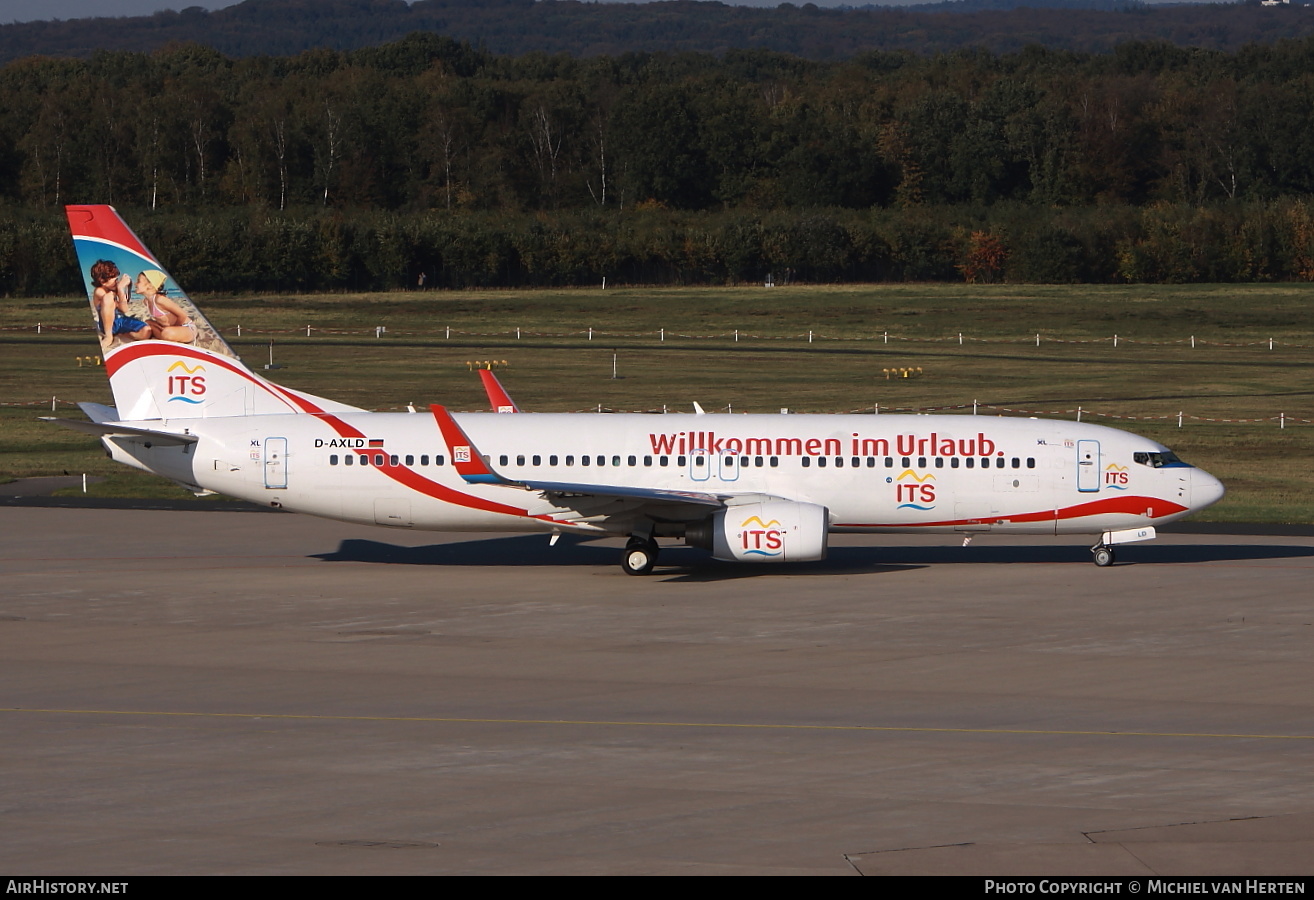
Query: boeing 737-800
column 750, row 488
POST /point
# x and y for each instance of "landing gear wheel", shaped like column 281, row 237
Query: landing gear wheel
column 639, row 557
column 1103, row 556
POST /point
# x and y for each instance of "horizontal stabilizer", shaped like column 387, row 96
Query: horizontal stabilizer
column 99, row 412
column 106, row 429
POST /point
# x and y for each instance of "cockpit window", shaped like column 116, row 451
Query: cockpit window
column 1164, row 459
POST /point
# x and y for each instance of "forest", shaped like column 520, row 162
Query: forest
column 363, row 169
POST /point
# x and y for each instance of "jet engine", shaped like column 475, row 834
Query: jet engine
column 773, row 531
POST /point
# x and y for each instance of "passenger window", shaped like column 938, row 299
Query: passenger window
column 348, row 459
column 583, row 460
column 333, row 459
column 889, row 462
column 537, row 460
column 775, row 461
column 501, row 460
column 520, row 460
column 663, row 461
column 1017, row 463
column 821, row 461
column 807, row 461
column 647, row 461
column 615, row 460
column 410, row 460
column 438, row 460
column 1031, row 462
column 552, row 460
column 953, row 462
column 939, row 462
column 570, row 460
column 392, row 459
column 633, row 460
column 921, row 462
column 907, row 462
column 971, row 462
column 424, row 459
column 999, row 462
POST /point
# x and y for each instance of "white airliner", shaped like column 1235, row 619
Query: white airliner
column 750, row 488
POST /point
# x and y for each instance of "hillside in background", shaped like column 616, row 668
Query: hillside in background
column 284, row 27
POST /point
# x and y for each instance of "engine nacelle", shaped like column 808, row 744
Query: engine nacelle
column 774, row 531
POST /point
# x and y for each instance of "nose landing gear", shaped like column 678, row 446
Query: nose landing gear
column 1102, row 555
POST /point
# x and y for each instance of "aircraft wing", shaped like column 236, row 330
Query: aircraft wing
column 472, row 467
column 621, row 492
column 106, row 429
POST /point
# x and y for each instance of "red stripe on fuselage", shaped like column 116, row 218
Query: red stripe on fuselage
column 1106, row 506
column 402, row 475
column 132, row 352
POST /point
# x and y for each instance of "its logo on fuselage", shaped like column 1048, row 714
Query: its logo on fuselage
column 189, row 385
column 912, row 491
column 1116, row 477
column 765, row 540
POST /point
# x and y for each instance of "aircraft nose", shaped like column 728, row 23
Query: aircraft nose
column 1206, row 490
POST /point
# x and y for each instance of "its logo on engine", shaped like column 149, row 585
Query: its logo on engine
column 187, row 387
column 765, row 540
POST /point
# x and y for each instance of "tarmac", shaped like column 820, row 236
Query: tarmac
column 200, row 692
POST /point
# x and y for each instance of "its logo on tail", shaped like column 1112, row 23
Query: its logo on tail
column 192, row 383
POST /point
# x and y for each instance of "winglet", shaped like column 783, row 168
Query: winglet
column 497, row 396
column 469, row 462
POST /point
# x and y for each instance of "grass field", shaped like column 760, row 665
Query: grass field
column 859, row 332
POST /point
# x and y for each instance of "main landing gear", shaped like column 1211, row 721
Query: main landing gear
column 640, row 556
column 1102, row 555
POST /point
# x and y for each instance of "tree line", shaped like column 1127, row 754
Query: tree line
column 329, row 170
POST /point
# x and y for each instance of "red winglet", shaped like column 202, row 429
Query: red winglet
column 497, row 396
column 469, row 462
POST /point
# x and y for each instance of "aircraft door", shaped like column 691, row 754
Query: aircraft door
column 275, row 463
column 700, row 464
column 1088, row 466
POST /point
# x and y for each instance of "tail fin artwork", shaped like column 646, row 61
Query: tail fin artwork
column 164, row 358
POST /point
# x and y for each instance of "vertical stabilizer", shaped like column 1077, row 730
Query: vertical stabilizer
column 132, row 296
column 163, row 357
